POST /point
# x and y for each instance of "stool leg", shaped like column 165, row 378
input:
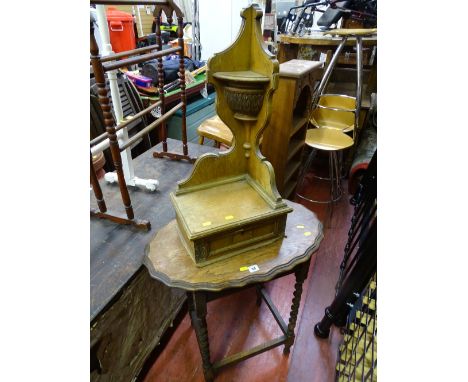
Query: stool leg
column 201, row 140
column 357, row 112
column 301, row 275
column 328, row 71
column 304, row 170
column 338, row 191
column 331, row 171
column 199, row 323
column 341, row 165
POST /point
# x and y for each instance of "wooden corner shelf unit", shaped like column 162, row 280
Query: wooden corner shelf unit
column 283, row 141
column 230, row 204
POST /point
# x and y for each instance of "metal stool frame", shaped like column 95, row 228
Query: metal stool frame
column 336, row 190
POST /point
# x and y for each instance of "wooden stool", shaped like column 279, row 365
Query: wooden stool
column 168, row 261
column 215, row 129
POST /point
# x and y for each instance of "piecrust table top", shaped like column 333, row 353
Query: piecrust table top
column 168, row 261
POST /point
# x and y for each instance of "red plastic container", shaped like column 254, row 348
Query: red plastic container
column 121, row 32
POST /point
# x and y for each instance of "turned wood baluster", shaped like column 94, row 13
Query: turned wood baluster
column 104, row 102
column 183, row 96
column 301, row 275
column 198, row 316
column 97, row 188
column 162, row 128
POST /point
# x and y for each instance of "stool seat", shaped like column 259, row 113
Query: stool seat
column 338, row 101
column 335, row 111
column 214, row 128
column 352, row 32
column 332, row 119
column 328, row 139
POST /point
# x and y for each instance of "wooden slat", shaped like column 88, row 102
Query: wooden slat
column 291, row 169
column 139, row 59
column 138, row 115
column 128, row 53
column 294, row 147
column 298, row 122
column 289, row 188
column 243, row 355
column 150, row 127
column 274, row 311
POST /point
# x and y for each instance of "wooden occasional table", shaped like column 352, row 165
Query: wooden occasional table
column 168, row 261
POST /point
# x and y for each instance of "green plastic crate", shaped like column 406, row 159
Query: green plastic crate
column 197, row 111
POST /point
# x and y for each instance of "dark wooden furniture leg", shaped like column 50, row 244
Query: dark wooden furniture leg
column 109, row 122
column 191, row 309
column 301, row 275
column 258, row 289
column 183, row 96
column 162, row 129
column 97, row 188
column 197, row 315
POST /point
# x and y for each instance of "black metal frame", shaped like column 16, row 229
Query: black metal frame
column 291, row 22
column 360, row 257
column 298, row 15
column 357, row 355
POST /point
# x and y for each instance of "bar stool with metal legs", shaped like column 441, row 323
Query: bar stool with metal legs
column 334, row 115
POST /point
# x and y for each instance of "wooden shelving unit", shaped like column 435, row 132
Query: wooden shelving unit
column 283, row 141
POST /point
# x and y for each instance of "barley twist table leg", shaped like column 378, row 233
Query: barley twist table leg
column 191, row 309
column 198, row 314
column 258, row 289
column 301, row 275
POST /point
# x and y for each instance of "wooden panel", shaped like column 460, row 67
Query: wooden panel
column 289, row 188
column 124, row 335
column 218, row 207
column 291, row 170
column 276, row 137
column 298, row 122
column 296, row 143
column 235, row 241
column 287, row 52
